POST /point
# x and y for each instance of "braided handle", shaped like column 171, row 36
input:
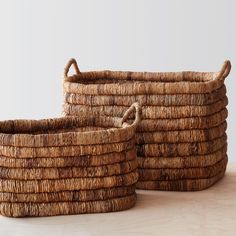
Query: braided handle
column 224, row 72
column 71, row 62
column 135, row 107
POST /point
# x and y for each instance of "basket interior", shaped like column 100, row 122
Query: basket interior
column 67, row 130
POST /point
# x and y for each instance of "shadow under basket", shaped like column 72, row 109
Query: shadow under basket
column 181, row 140
column 70, row 165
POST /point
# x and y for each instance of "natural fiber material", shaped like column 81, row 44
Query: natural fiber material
column 69, row 196
column 156, row 100
column 181, row 184
column 57, row 185
column 68, row 165
column 66, row 208
column 152, row 112
column 82, row 161
column 181, row 149
column 185, row 173
column 58, row 151
column 183, row 161
column 204, row 122
column 68, row 172
column 182, row 134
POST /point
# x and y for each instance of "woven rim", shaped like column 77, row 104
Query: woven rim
column 180, row 185
column 183, row 161
column 69, row 196
column 184, row 173
column 116, row 82
column 67, row 208
column 23, row 133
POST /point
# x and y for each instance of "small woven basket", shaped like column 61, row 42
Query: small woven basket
column 181, row 140
column 68, row 165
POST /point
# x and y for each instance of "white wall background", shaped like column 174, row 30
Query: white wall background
column 38, row 37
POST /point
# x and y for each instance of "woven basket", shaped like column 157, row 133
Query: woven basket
column 68, row 165
column 181, row 140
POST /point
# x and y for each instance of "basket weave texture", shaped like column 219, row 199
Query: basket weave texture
column 69, row 165
column 181, row 140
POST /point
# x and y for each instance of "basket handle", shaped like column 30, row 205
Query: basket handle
column 224, row 72
column 71, row 62
column 135, row 107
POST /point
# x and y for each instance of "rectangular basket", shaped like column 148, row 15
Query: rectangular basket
column 68, row 165
column 181, row 140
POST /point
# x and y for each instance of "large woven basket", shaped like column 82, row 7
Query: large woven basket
column 68, row 165
column 181, row 139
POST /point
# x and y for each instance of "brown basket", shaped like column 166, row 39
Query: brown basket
column 181, row 140
column 68, row 165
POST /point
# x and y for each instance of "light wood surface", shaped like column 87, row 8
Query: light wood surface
column 208, row 212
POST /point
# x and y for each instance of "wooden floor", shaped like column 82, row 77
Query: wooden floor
column 209, row 212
